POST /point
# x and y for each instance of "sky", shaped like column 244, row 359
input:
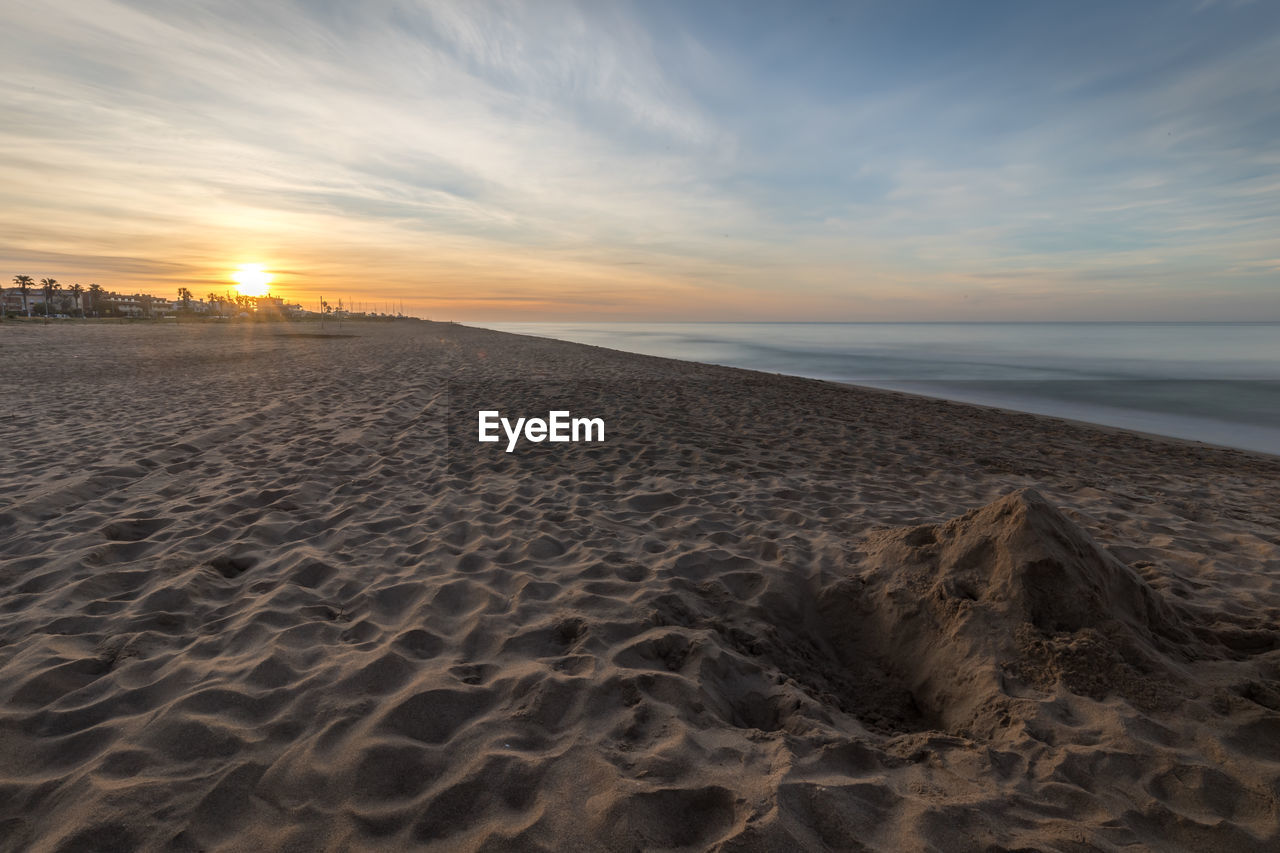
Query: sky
column 896, row 161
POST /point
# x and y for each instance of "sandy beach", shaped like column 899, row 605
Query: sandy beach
column 262, row 589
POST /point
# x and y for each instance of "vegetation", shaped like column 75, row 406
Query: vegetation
column 24, row 283
column 79, row 301
column 75, row 290
column 49, row 285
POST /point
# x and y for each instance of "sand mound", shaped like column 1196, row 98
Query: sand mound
column 960, row 612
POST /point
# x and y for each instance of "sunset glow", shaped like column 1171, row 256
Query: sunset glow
column 645, row 161
column 252, row 280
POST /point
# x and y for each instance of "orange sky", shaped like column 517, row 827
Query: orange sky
column 478, row 161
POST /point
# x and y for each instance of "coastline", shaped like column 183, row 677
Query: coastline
column 1106, row 428
column 261, row 592
column 1223, row 393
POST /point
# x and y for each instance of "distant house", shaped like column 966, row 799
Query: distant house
column 195, row 306
column 137, row 305
column 122, row 305
column 11, row 300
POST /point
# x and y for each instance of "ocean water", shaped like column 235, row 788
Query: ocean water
column 1213, row 382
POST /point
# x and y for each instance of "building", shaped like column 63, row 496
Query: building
column 119, row 305
column 11, row 299
column 195, row 306
column 63, row 301
column 141, row 305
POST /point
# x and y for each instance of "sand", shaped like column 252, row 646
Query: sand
column 262, row 592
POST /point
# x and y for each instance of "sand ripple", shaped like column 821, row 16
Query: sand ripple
column 258, row 592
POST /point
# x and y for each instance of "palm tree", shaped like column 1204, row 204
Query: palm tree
column 185, row 296
column 95, row 293
column 76, row 290
column 49, row 285
column 24, row 283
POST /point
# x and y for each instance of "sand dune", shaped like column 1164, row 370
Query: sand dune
column 263, row 591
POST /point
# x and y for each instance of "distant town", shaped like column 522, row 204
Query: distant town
column 49, row 299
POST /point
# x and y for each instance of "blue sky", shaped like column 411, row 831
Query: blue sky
column 656, row 160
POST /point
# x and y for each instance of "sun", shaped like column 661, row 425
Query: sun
column 252, row 280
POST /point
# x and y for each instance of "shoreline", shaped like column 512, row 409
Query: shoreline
column 1108, row 428
column 1004, row 369
column 287, row 600
column 282, row 323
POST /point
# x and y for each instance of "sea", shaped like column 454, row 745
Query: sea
column 1217, row 383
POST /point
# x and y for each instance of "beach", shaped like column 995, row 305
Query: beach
column 261, row 588
column 1215, row 383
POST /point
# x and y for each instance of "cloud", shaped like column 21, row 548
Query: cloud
column 885, row 155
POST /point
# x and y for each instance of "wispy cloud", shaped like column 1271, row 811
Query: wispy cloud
column 650, row 160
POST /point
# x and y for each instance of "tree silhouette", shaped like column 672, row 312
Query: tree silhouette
column 49, row 285
column 95, row 293
column 76, row 290
column 24, row 283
